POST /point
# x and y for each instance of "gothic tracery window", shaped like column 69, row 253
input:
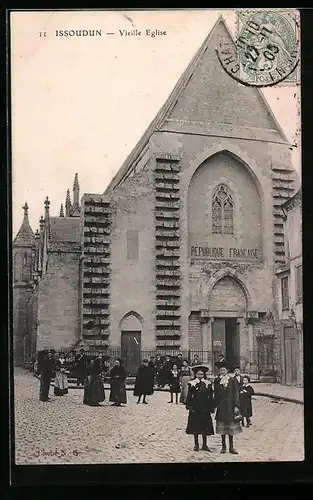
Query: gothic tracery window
column 222, row 211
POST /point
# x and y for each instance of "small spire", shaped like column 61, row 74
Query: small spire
column 68, row 204
column 47, row 216
column 76, row 183
column 61, row 211
column 37, row 234
column 75, row 195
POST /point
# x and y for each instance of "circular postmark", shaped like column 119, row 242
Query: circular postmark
column 266, row 51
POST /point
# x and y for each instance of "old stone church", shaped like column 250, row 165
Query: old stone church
column 180, row 251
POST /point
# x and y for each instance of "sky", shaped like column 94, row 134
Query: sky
column 80, row 104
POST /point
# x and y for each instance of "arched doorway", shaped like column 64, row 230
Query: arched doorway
column 227, row 305
column 131, row 328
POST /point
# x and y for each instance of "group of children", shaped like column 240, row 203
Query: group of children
column 229, row 398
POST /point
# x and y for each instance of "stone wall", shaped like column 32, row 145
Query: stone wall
column 133, row 273
column 21, row 297
column 58, row 302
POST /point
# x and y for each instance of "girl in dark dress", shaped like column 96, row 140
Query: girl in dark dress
column 118, row 389
column 200, row 405
column 245, row 394
column 226, row 400
column 60, row 380
column 174, row 383
column 144, row 381
column 93, row 387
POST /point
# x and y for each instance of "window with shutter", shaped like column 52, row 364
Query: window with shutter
column 285, row 293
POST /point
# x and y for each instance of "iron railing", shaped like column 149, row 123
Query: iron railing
column 255, row 363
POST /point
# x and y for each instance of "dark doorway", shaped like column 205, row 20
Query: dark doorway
column 232, row 342
column 225, row 339
column 131, row 351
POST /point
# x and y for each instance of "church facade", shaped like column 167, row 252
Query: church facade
column 180, row 252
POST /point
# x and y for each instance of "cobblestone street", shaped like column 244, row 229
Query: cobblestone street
column 65, row 431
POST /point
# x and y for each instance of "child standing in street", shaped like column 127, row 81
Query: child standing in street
column 174, row 383
column 245, row 394
column 200, row 405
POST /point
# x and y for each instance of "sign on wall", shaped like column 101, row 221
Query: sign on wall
column 223, row 253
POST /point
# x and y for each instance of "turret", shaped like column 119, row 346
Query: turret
column 24, row 245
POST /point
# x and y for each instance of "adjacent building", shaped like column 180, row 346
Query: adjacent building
column 290, row 294
column 181, row 250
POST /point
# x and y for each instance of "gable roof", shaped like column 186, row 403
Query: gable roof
column 177, row 93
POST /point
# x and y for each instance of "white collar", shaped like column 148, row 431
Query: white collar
column 224, row 380
column 197, row 381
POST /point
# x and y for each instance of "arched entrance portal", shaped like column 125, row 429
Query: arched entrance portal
column 227, row 305
column 131, row 328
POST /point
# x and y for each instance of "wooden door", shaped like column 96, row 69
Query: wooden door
column 290, row 349
column 265, row 355
column 131, row 351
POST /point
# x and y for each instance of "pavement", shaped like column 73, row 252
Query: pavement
column 279, row 391
column 64, row 431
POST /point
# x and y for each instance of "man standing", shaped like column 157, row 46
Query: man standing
column 152, row 365
column 158, row 369
column 167, row 370
column 179, row 361
column 46, row 372
column 81, row 365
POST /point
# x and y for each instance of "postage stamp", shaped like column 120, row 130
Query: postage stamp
column 266, row 50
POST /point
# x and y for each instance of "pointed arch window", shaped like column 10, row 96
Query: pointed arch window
column 222, row 211
column 25, row 259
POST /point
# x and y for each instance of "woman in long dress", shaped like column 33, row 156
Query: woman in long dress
column 200, row 405
column 226, row 396
column 93, row 387
column 185, row 377
column 144, row 381
column 60, row 380
column 117, row 380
